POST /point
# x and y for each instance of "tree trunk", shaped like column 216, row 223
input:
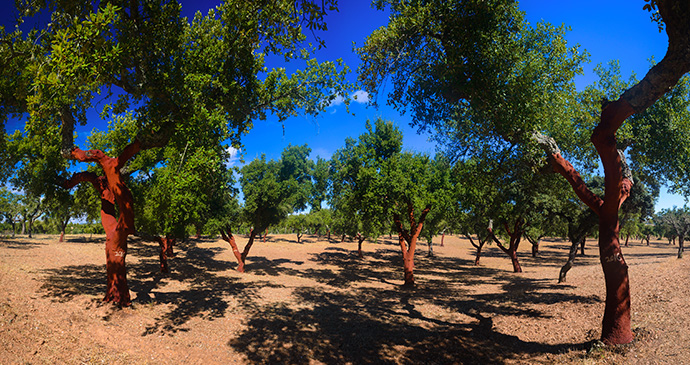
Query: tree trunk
column 571, row 259
column 515, row 236
column 198, row 230
column 241, row 257
column 582, row 247
column 681, row 240
column 408, row 262
column 360, row 239
column 112, row 190
column 478, row 254
column 410, row 237
column 63, row 227
column 479, row 245
column 627, row 238
column 23, row 228
column 443, row 236
column 166, row 245
column 430, row 243
column 534, row 243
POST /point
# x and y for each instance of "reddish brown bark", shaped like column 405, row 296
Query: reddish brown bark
column 408, row 240
column 112, row 191
column 240, row 256
column 479, row 245
column 515, row 237
column 443, row 236
column 166, row 244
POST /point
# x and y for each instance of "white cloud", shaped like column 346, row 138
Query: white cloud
column 233, row 156
column 337, row 101
column 360, row 96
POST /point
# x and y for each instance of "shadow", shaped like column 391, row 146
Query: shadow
column 19, row 245
column 64, row 283
column 376, row 327
column 84, row 239
column 197, row 287
column 358, row 312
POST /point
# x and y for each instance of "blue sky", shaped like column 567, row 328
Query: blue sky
column 606, row 29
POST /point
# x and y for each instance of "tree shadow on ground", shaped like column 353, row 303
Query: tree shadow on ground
column 374, row 326
column 20, row 245
column 199, row 289
column 360, row 314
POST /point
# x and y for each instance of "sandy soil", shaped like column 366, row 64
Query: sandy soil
column 316, row 302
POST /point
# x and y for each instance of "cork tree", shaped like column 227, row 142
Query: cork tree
column 358, row 193
column 477, row 72
column 174, row 76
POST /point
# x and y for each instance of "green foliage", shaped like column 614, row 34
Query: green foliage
column 295, row 171
column 358, row 191
column 475, row 71
column 320, row 183
column 267, row 199
column 192, row 85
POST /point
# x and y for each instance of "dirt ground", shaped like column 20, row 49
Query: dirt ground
column 316, row 302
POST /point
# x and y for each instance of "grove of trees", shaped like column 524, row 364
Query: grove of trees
column 521, row 146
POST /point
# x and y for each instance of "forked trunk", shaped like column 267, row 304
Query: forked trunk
column 479, row 245
column 408, row 240
column 478, row 255
column 241, row 257
column 112, row 190
column 515, row 237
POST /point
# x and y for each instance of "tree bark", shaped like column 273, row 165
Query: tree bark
column 166, row 245
column 534, row 243
column 113, row 191
column 571, row 259
column 681, row 240
column 479, row 245
column 241, row 257
column 360, row 239
column 515, row 237
column 408, row 240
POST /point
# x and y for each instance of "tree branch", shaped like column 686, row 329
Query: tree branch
column 565, row 169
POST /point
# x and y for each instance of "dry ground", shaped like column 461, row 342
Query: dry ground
column 316, row 302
